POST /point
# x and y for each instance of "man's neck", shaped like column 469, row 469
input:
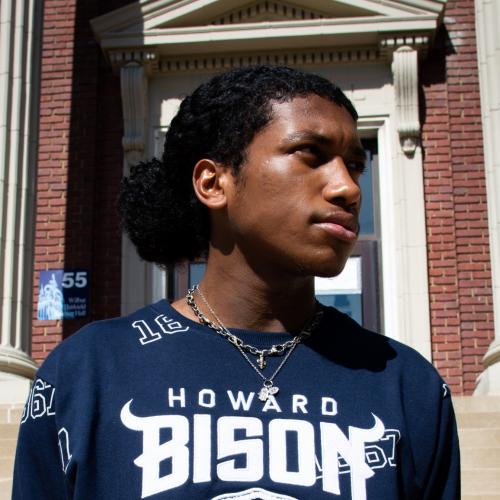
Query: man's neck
column 243, row 298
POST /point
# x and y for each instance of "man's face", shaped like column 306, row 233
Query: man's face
column 294, row 208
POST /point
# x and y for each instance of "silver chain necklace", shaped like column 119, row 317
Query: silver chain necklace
column 268, row 387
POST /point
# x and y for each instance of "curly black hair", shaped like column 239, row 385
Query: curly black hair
column 158, row 206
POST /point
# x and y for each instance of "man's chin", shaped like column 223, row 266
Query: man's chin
column 328, row 269
column 329, row 273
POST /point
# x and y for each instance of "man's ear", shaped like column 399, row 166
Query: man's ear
column 211, row 182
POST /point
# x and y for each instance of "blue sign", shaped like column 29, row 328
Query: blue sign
column 64, row 294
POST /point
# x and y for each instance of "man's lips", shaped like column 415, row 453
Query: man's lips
column 342, row 226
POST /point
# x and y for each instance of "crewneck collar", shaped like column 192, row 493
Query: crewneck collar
column 260, row 339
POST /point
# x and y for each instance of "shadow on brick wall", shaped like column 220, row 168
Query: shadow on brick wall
column 93, row 236
column 432, row 70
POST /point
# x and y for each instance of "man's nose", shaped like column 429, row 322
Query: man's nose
column 342, row 186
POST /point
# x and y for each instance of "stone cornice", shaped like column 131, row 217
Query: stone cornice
column 267, row 10
column 289, row 58
column 152, row 13
column 322, row 32
column 182, row 28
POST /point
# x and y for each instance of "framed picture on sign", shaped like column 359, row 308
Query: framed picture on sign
column 63, row 294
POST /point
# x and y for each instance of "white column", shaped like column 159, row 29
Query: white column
column 488, row 44
column 134, row 92
column 411, row 283
column 136, row 274
column 20, row 42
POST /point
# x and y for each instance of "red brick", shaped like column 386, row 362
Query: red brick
column 454, row 106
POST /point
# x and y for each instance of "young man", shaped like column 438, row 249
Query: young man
column 247, row 388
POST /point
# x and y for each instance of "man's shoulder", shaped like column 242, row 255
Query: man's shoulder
column 361, row 348
column 97, row 339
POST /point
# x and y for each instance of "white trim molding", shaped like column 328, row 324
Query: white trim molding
column 221, row 62
column 209, row 26
column 152, row 14
column 404, row 253
column 260, row 36
column 134, row 66
column 487, row 23
column 266, row 11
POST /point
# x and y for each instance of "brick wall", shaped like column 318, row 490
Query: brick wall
column 79, row 164
column 455, row 197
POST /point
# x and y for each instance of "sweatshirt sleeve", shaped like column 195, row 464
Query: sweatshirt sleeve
column 42, row 454
column 444, row 479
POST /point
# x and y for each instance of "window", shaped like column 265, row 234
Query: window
column 357, row 290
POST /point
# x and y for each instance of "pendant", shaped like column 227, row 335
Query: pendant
column 262, row 361
column 268, row 390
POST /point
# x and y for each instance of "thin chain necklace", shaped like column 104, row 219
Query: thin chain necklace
column 268, row 387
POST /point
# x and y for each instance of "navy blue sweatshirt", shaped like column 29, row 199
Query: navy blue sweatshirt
column 154, row 405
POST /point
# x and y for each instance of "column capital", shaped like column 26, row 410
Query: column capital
column 147, row 58
column 389, row 44
column 405, row 73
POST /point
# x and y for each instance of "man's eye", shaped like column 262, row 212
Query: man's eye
column 311, row 154
column 312, row 150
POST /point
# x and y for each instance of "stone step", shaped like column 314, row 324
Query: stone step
column 6, row 467
column 479, row 438
column 489, row 420
column 480, row 481
column 487, row 458
column 8, row 440
column 10, row 414
column 7, row 447
column 5, row 489
column 476, row 404
column 9, row 431
column 492, row 496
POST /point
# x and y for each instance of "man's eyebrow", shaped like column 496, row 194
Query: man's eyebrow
column 357, row 151
column 307, row 135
